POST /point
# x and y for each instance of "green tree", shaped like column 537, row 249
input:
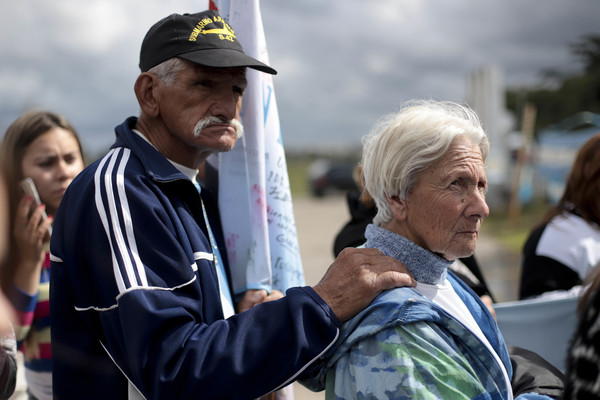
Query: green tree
column 558, row 96
column 588, row 51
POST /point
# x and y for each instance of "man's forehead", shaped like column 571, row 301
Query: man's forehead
column 234, row 72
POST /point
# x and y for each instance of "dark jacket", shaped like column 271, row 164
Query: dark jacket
column 135, row 300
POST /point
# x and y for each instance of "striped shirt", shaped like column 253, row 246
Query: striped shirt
column 32, row 330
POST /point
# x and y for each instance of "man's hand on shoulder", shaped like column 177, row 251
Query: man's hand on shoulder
column 356, row 277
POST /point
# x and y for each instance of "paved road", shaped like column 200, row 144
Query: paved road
column 317, row 223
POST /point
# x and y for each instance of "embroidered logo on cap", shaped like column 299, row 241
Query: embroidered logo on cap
column 224, row 33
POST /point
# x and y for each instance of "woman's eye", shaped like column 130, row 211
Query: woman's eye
column 482, row 186
column 460, row 183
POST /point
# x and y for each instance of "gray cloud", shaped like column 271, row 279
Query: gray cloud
column 341, row 64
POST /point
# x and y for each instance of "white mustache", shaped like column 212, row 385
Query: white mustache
column 203, row 123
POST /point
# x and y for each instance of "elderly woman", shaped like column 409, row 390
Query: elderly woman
column 424, row 167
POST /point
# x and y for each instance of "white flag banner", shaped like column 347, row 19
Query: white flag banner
column 254, row 192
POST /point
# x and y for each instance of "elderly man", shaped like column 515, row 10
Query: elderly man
column 141, row 305
column 424, row 167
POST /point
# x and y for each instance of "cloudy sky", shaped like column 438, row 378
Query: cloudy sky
column 341, row 63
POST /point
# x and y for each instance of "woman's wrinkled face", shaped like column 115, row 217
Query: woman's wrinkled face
column 444, row 210
column 52, row 160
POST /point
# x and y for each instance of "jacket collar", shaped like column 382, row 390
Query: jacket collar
column 156, row 165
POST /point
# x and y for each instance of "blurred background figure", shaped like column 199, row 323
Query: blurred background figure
column 564, row 247
column 362, row 210
column 45, row 147
column 582, row 378
column 8, row 344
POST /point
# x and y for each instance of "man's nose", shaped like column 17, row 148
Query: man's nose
column 226, row 105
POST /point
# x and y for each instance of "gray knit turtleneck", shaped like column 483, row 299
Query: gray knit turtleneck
column 425, row 266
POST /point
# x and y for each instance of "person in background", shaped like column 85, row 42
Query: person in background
column 141, row 304
column 582, row 377
column 564, row 247
column 45, row 147
column 424, row 168
column 8, row 344
column 362, row 210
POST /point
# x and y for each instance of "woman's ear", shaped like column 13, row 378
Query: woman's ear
column 398, row 207
column 145, row 90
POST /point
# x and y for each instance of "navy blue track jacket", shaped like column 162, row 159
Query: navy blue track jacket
column 134, row 296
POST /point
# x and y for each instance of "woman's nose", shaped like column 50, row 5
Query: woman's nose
column 64, row 170
column 478, row 205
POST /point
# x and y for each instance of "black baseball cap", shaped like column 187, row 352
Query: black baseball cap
column 204, row 38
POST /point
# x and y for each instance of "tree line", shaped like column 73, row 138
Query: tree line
column 558, row 95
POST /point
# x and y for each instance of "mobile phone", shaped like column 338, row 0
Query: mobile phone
column 30, row 190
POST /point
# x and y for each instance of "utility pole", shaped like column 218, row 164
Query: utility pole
column 527, row 129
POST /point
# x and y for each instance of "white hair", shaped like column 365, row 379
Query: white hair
column 402, row 144
column 167, row 70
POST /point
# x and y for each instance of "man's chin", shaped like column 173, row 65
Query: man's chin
column 225, row 149
column 218, row 141
column 225, row 145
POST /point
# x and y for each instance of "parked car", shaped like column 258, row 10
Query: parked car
column 329, row 176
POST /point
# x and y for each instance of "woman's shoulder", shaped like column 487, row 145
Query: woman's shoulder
column 570, row 223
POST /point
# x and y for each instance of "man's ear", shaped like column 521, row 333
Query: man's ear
column 398, row 206
column 145, row 90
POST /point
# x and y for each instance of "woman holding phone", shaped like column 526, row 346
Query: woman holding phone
column 44, row 147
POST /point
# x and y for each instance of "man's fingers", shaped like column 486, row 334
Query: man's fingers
column 274, row 295
column 394, row 279
column 356, row 277
column 386, row 271
column 391, row 273
column 254, row 297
